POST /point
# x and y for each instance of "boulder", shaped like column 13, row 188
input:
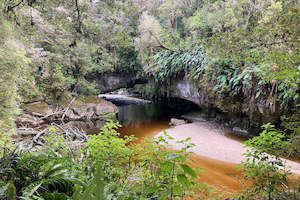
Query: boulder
column 91, row 108
column 240, row 131
column 177, row 122
column 92, row 111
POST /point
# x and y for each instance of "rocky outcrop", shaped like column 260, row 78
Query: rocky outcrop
column 92, row 111
column 111, row 81
column 123, row 99
column 237, row 111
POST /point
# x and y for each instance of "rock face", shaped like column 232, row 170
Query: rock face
column 112, row 81
column 123, row 99
column 177, row 122
column 248, row 114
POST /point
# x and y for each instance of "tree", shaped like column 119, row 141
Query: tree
column 12, row 59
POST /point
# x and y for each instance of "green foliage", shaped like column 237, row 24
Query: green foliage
column 264, row 166
column 110, row 167
column 167, row 174
column 133, row 171
column 12, row 60
column 248, row 50
column 11, row 191
column 127, row 56
column 167, row 65
column 94, row 189
column 291, row 125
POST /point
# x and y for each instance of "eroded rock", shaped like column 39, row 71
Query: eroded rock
column 92, row 111
column 177, row 122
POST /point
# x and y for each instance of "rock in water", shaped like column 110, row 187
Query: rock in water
column 177, row 122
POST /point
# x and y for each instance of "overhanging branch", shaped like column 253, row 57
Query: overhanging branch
column 161, row 45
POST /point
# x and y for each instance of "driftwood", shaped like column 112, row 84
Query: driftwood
column 57, row 112
column 67, row 109
column 58, row 115
column 38, row 135
column 26, row 131
column 74, row 134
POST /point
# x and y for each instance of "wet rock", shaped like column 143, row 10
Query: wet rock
column 38, row 108
column 177, row 122
column 91, row 112
column 195, row 117
column 254, row 111
column 122, row 91
column 123, row 99
column 111, row 81
column 91, row 108
column 240, row 131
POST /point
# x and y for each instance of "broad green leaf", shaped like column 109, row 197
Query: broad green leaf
column 188, row 170
column 183, row 180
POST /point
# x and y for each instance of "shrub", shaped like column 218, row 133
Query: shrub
column 263, row 166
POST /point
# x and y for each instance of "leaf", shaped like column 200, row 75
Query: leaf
column 167, row 166
column 152, row 190
column 178, row 191
column 3, row 190
column 183, row 180
column 33, row 190
column 188, row 170
column 54, row 196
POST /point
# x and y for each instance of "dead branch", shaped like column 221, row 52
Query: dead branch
column 67, row 109
column 35, row 138
column 57, row 112
column 160, row 44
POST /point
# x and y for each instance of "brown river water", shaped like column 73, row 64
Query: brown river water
column 150, row 119
column 218, row 151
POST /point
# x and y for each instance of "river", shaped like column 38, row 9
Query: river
column 218, row 150
column 149, row 120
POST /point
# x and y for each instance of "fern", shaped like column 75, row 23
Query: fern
column 166, row 64
column 94, row 189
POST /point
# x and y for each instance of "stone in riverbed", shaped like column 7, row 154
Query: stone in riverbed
column 240, row 131
column 91, row 108
column 177, row 122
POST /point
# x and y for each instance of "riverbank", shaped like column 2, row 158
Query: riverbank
column 217, row 154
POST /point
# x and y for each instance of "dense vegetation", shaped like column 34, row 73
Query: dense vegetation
column 108, row 167
column 246, row 50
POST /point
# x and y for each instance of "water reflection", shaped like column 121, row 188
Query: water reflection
column 146, row 114
column 148, row 119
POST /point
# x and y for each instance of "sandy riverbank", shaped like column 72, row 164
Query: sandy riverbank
column 211, row 143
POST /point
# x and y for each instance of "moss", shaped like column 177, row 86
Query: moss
column 110, row 116
column 81, row 100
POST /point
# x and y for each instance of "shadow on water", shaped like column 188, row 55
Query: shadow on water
column 149, row 119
